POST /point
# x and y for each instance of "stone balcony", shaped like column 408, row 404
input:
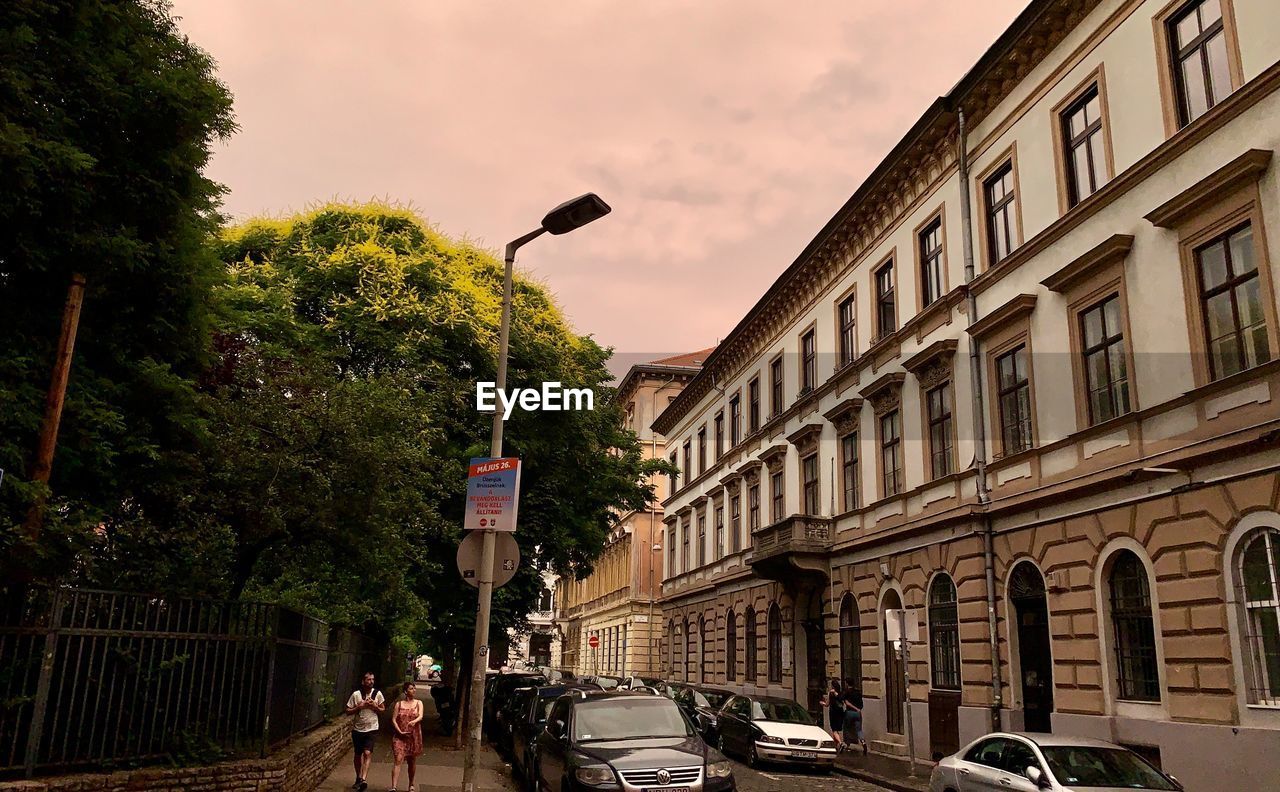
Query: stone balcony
column 793, row 550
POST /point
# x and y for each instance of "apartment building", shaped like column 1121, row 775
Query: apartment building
column 1023, row 384
column 616, row 602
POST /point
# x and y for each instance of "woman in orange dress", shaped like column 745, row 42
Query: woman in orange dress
column 406, row 739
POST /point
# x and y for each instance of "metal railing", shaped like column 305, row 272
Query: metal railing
column 103, row 679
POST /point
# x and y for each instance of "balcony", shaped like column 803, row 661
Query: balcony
column 793, row 550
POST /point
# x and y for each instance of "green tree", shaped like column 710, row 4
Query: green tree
column 107, row 115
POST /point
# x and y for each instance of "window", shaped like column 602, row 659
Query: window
column 688, row 461
column 1133, row 629
column 944, row 634
column 1260, row 581
column 719, row 436
column 735, row 420
column 812, row 493
column 808, row 361
column 702, row 450
column 998, row 192
column 1105, row 370
column 891, row 452
column 779, row 497
column 731, row 647
column 702, row 537
column 753, row 508
column 1014, row 400
column 886, row 309
column 775, row 387
column 735, row 522
column 850, row 642
column 1231, row 300
column 1201, row 68
column 671, row 551
column 684, row 545
column 930, row 241
column 691, row 636
column 675, row 473
column 775, row 644
column 753, row 405
column 719, row 532
column 938, row 402
column 702, row 649
column 749, row 644
column 1082, row 146
column 847, row 327
column 849, row 470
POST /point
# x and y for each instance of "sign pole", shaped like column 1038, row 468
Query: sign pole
column 906, row 699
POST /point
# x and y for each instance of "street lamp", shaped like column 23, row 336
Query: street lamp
column 564, row 218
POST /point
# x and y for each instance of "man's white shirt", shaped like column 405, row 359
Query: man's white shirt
column 366, row 720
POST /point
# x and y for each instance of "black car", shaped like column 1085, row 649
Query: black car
column 530, row 719
column 498, row 692
column 597, row 741
column 701, row 703
column 507, row 714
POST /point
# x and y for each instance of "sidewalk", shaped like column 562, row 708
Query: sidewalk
column 439, row 767
column 887, row 771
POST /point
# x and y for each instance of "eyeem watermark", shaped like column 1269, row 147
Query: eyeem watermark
column 552, row 397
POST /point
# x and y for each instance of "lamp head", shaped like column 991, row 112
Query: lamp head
column 575, row 213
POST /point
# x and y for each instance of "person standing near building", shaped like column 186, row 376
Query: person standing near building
column 365, row 704
column 406, row 740
column 833, row 700
column 853, row 705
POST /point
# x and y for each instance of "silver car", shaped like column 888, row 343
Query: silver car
column 1019, row 762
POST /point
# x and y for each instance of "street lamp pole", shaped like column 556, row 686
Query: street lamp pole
column 561, row 220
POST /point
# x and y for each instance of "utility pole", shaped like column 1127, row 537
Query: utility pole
column 42, row 465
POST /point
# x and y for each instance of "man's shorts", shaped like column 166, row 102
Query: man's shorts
column 363, row 741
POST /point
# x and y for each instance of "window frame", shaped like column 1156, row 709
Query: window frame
column 671, row 549
column 687, row 459
column 773, row 632
column 753, row 508
column 735, row 521
column 719, row 531
column 777, row 386
column 753, row 405
column 750, row 646
column 846, row 327
column 1254, row 677
column 718, row 423
column 700, row 515
column 808, row 360
column 850, row 469
column 702, row 449
column 675, row 477
column 1107, row 347
column 1126, row 623
column 686, row 529
column 883, row 446
column 777, row 495
column 887, row 264
column 1094, row 81
column 947, row 421
column 849, row 629
column 811, row 488
column 944, row 636
column 1170, row 81
column 1007, row 157
column 996, row 355
column 731, row 646
column 735, row 419
column 937, row 218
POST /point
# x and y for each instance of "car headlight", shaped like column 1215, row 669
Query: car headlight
column 595, row 775
column 828, row 744
column 719, row 769
column 765, row 738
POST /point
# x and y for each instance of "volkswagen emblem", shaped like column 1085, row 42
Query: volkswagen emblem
column 664, row 776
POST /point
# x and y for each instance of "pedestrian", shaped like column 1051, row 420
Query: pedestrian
column 406, row 739
column 853, row 705
column 834, row 703
column 365, row 704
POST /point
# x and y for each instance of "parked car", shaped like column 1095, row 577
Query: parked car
column 499, row 689
column 604, row 681
column 530, row 720
column 507, row 713
column 1022, row 762
column 632, row 682
column 613, row 739
column 701, row 703
column 767, row 729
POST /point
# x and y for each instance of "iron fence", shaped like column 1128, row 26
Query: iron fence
column 106, row 679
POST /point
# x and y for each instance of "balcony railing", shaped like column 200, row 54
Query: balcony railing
column 799, row 532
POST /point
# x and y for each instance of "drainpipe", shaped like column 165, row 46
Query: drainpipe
column 979, row 425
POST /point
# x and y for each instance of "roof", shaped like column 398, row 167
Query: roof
column 686, row 365
column 1065, row 740
column 687, row 359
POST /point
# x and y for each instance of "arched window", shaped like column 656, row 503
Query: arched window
column 1133, row 629
column 692, row 636
column 749, row 644
column 544, row 601
column 704, row 666
column 775, row 643
column 731, row 646
column 674, row 632
column 1260, row 581
column 944, row 634
column 850, row 641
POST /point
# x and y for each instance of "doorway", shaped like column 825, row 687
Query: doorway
column 815, row 649
column 895, row 686
column 1035, row 663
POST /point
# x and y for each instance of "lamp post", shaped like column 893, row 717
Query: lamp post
column 564, row 218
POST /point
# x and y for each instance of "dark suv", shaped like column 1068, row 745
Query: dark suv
column 626, row 741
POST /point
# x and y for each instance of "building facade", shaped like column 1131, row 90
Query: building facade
column 539, row 644
column 1024, row 386
column 615, row 604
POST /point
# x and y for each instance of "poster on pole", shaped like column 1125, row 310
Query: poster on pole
column 493, row 494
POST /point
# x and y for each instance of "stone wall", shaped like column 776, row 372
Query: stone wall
column 298, row 767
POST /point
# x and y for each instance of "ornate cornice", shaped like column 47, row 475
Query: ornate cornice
column 774, row 456
column 698, row 502
column 932, row 365
column 1116, row 246
column 805, row 439
column 1017, row 308
column 1244, row 169
column 845, row 415
column 751, row 472
column 885, row 393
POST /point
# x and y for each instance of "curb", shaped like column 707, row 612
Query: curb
column 884, row 781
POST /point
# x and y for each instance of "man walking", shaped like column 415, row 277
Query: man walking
column 365, row 704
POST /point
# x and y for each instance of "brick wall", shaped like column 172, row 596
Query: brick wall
column 298, row 767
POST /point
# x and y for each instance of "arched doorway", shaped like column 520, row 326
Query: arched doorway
column 1035, row 662
column 895, row 685
column 850, row 642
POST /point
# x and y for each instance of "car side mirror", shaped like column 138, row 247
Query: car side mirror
column 1036, row 777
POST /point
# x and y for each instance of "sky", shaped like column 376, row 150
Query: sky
column 724, row 133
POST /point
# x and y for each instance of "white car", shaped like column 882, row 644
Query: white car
column 1021, row 762
column 767, row 729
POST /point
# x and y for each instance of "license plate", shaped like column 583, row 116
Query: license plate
column 666, row 789
column 804, row 755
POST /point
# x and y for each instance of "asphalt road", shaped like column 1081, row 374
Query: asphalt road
column 782, row 779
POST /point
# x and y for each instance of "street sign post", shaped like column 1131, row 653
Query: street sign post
column 903, row 627
column 594, row 642
column 506, row 558
column 493, row 494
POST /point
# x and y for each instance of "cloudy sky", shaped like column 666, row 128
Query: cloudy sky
column 724, row 133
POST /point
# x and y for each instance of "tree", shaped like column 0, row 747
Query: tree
column 107, row 114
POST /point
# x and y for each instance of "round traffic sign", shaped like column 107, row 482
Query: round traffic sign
column 593, row 641
column 506, row 558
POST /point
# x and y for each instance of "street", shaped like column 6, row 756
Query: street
column 771, row 779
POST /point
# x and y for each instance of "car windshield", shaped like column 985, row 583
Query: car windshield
column 781, row 711
column 627, row 718
column 710, row 699
column 1087, row 766
column 607, row 683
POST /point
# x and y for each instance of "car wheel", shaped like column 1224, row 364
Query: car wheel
column 753, row 758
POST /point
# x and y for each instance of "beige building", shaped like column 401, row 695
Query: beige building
column 615, row 604
column 1030, row 394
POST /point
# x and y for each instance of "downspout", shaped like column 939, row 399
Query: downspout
column 979, row 425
